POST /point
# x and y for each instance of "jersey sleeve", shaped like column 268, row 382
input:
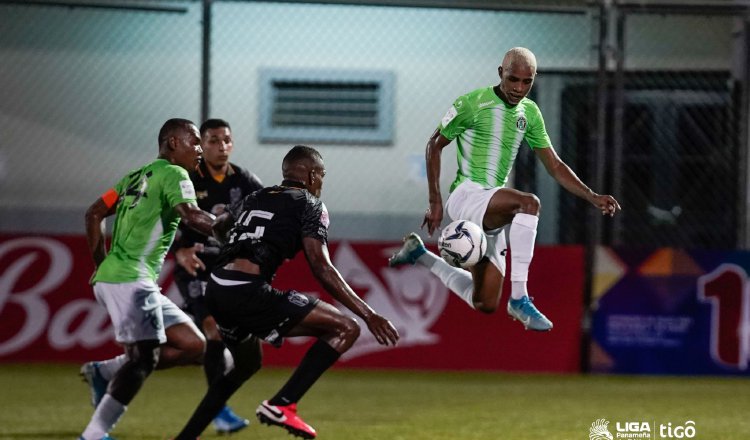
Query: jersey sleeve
column 252, row 182
column 178, row 188
column 315, row 220
column 457, row 119
column 536, row 133
column 122, row 185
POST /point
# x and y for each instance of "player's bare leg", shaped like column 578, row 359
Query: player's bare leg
column 336, row 333
column 142, row 358
column 185, row 345
column 488, row 286
column 521, row 210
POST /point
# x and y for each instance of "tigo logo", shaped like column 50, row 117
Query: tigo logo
column 687, row 431
column 641, row 430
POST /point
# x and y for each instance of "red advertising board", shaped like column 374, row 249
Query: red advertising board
column 48, row 311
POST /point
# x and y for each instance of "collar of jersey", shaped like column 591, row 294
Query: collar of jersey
column 293, row 184
column 202, row 169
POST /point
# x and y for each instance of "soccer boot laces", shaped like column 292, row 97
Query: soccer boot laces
column 412, row 249
column 532, row 319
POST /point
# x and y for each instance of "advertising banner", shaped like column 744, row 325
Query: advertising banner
column 48, row 311
column 671, row 311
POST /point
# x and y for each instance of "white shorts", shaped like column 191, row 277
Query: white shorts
column 469, row 201
column 138, row 310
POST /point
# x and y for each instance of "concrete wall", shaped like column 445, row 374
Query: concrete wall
column 85, row 92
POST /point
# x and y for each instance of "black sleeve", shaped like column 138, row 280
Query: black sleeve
column 254, row 183
column 315, row 220
column 250, row 182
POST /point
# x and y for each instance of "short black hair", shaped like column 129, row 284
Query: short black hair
column 299, row 153
column 172, row 125
column 213, row 123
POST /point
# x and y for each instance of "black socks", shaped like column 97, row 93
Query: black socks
column 213, row 361
column 318, row 359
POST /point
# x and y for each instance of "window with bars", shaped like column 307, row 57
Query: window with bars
column 354, row 107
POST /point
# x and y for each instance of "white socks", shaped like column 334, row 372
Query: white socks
column 109, row 367
column 521, row 240
column 522, row 237
column 104, row 419
column 456, row 279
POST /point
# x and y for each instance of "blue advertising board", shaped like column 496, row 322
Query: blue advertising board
column 671, row 311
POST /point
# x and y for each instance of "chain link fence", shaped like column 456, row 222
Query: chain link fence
column 87, row 87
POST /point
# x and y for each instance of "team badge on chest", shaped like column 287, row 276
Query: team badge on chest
column 521, row 123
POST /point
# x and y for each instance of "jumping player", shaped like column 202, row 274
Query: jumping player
column 489, row 125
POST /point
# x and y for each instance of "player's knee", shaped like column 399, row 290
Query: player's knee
column 485, row 308
column 194, row 348
column 144, row 362
column 197, row 348
column 530, row 204
column 349, row 330
column 210, row 329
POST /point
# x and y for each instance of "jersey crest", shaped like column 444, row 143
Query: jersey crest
column 521, row 123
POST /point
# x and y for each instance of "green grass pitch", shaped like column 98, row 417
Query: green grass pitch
column 50, row 402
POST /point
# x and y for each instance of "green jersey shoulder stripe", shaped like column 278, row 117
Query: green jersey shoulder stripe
column 488, row 134
column 146, row 221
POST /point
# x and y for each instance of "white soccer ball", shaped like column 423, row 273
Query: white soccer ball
column 462, row 244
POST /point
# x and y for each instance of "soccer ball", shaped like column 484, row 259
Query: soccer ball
column 462, row 244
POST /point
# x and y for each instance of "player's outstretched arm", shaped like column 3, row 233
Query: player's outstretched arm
column 222, row 225
column 562, row 173
column 102, row 208
column 434, row 214
column 196, row 218
column 317, row 256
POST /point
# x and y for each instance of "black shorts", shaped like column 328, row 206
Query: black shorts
column 245, row 305
column 192, row 290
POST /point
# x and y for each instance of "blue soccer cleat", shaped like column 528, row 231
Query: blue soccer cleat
column 524, row 310
column 412, row 249
column 227, row 421
column 97, row 384
column 106, row 437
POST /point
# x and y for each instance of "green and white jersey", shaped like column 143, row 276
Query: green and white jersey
column 146, row 221
column 489, row 133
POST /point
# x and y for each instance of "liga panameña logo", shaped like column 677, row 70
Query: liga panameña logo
column 599, row 430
